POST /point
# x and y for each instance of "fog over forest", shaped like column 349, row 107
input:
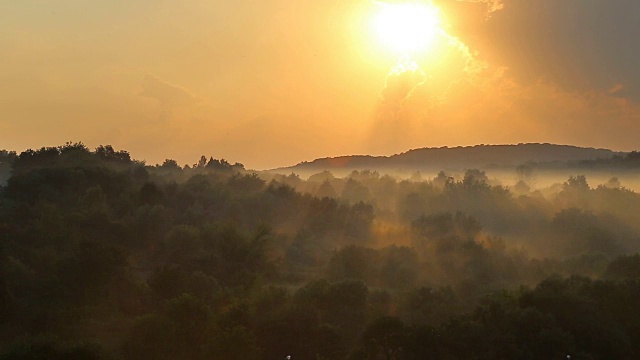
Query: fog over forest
column 319, row 180
column 106, row 257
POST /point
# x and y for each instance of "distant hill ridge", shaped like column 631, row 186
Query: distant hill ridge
column 449, row 158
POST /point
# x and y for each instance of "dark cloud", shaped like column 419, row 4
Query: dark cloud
column 579, row 45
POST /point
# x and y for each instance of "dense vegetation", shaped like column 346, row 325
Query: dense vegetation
column 104, row 257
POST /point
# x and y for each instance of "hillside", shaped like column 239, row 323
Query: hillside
column 457, row 158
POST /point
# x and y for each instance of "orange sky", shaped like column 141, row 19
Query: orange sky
column 273, row 83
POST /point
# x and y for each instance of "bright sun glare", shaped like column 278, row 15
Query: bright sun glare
column 406, row 27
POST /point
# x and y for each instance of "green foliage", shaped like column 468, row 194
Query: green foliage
column 90, row 269
column 354, row 262
column 428, row 306
column 7, row 158
column 170, row 281
column 182, row 330
column 215, row 262
column 51, row 348
column 581, row 232
column 385, row 338
column 170, row 165
column 624, row 267
column 236, row 343
column 355, row 192
column 151, row 336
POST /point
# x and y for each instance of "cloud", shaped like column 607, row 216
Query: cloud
column 481, row 96
column 401, row 81
column 509, row 112
column 579, row 45
column 616, row 88
column 492, row 5
column 165, row 93
column 392, row 120
column 178, row 107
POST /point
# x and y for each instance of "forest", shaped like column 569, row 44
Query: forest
column 106, row 257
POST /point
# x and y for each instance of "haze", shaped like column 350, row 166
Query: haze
column 273, row 83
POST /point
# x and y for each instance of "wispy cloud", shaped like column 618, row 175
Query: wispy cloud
column 165, row 93
column 492, row 5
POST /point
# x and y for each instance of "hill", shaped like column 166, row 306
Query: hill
column 456, row 158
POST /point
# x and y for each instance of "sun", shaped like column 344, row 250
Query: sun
column 406, row 28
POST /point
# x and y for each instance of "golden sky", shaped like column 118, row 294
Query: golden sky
column 272, row 83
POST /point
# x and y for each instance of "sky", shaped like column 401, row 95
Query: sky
column 273, row 83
